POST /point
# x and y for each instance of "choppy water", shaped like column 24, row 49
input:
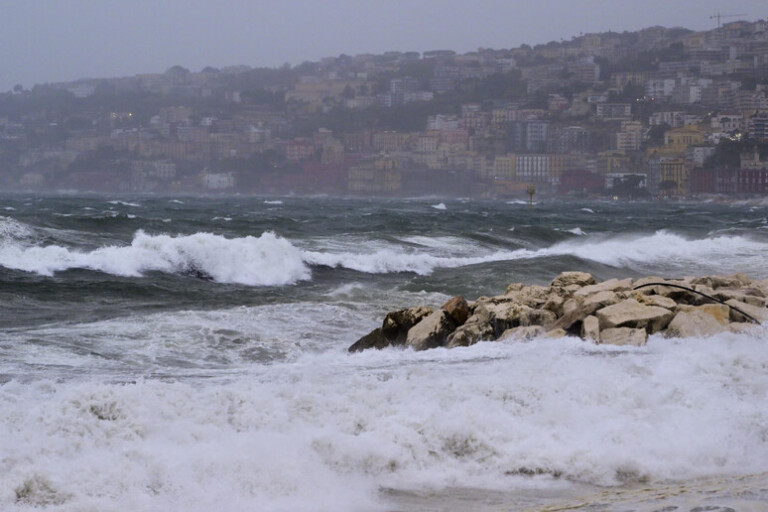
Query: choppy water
column 190, row 354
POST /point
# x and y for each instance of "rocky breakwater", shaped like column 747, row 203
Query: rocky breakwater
column 617, row 312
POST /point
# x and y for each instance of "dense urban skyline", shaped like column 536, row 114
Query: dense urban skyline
column 55, row 41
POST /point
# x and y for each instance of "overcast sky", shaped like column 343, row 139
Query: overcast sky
column 44, row 41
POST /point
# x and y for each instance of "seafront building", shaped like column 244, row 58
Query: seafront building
column 659, row 112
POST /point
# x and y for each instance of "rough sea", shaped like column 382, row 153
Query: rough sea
column 190, row 354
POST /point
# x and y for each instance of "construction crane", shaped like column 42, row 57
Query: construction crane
column 719, row 16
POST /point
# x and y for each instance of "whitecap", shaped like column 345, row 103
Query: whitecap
column 439, row 206
column 264, row 261
column 12, row 230
column 125, row 203
column 719, row 254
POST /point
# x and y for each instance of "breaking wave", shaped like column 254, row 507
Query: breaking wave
column 638, row 252
column 270, row 260
column 267, row 260
column 669, row 249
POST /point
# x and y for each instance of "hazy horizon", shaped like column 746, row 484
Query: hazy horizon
column 58, row 41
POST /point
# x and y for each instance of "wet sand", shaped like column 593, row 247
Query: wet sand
column 747, row 493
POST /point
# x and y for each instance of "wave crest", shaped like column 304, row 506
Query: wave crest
column 264, row 261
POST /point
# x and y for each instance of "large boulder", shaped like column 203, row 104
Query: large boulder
column 531, row 296
column 574, row 315
column 374, row 339
column 504, row 313
column 758, row 313
column 457, row 308
column 393, row 330
column 630, row 313
column 699, row 321
column 397, row 323
column 601, row 299
column 473, row 330
column 751, row 296
column 431, row 332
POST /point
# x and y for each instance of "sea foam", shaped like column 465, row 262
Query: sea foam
column 264, row 260
column 327, row 430
column 722, row 254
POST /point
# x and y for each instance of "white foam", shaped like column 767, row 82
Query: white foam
column 722, row 254
column 324, row 432
column 277, row 201
column 12, row 230
column 574, row 231
column 386, row 261
column 125, row 203
column 661, row 251
column 439, row 206
column 266, row 260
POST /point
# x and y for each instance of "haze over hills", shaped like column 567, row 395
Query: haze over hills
column 657, row 112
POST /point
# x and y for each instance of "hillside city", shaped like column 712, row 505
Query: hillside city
column 661, row 112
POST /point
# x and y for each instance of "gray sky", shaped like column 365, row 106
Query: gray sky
column 45, row 41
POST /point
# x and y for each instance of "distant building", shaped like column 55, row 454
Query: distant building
column 527, row 136
column 613, row 111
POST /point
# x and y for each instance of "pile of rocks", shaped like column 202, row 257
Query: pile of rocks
column 618, row 312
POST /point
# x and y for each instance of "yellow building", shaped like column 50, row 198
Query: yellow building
column 681, row 138
column 612, row 162
column 674, row 177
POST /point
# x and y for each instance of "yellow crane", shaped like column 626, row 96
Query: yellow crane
column 719, row 16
